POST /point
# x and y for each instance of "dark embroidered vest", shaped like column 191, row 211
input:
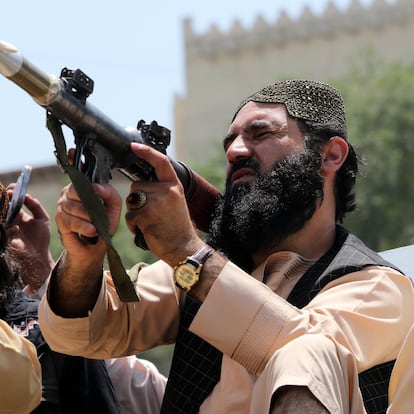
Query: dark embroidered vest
column 347, row 255
column 195, row 368
column 196, row 365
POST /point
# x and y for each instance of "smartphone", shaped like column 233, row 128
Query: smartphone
column 19, row 193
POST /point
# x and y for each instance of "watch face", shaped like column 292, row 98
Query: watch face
column 186, row 275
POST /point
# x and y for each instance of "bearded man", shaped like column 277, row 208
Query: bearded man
column 282, row 311
column 20, row 371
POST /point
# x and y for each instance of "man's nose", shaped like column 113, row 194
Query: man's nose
column 239, row 148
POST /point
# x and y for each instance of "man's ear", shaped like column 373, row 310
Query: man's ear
column 334, row 153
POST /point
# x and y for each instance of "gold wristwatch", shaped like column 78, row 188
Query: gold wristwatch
column 187, row 272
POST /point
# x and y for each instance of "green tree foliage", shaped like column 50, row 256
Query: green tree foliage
column 379, row 98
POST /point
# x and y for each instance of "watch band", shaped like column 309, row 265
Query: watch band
column 201, row 255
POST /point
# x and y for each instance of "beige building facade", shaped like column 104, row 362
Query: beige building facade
column 222, row 68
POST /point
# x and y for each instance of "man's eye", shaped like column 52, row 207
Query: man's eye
column 262, row 135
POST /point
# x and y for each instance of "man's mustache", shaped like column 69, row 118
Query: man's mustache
column 243, row 163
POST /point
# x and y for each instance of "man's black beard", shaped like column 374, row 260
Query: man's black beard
column 256, row 217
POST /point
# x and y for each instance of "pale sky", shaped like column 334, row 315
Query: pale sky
column 133, row 50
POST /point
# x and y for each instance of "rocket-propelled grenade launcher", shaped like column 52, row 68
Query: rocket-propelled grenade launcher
column 100, row 143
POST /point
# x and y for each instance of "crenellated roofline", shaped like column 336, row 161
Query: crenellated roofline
column 332, row 21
